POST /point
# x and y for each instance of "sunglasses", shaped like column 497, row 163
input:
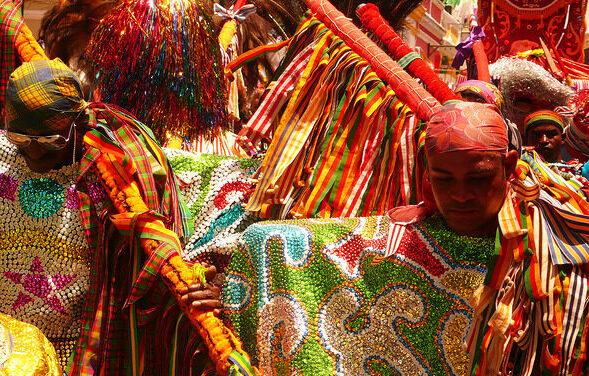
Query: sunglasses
column 50, row 142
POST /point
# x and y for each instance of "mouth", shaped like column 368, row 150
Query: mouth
column 463, row 211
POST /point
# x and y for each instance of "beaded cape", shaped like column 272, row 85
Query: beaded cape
column 43, row 222
column 45, row 260
column 306, row 298
column 214, row 188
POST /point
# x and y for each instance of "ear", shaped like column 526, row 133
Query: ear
column 510, row 162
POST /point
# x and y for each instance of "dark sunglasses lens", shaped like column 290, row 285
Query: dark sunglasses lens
column 17, row 139
column 52, row 143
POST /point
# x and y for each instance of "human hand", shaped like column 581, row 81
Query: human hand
column 203, row 297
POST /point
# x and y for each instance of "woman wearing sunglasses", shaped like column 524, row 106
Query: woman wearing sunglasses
column 64, row 267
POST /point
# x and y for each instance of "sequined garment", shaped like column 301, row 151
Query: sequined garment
column 307, row 293
column 215, row 187
column 44, row 258
column 25, row 351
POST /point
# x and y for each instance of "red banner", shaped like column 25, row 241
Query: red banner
column 514, row 26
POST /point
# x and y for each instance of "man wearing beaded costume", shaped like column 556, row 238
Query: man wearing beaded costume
column 65, row 266
column 366, row 296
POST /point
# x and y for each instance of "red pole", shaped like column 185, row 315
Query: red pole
column 405, row 87
column 480, row 58
column 373, row 20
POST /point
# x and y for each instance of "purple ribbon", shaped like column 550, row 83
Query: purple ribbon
column 464, row 48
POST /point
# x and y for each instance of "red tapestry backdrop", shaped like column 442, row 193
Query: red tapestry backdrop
column 513, row 26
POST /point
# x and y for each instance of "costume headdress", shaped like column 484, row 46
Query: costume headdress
column 43, row 96
column 525, row 79
column 489, row 92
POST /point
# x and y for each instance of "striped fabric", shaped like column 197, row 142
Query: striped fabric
column 259, row 125
column 399, row 219
column 334, row 150
column 543, row 116
column 114, row 340
column 580, row 84
column 11, row 22
column 534, row 301
column 407, row 59
column 240, row 365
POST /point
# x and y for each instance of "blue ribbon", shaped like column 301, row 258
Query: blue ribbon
column 238, row 14
column 464, row 48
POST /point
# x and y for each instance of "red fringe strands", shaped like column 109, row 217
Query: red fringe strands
column 403, row 54
column 160, row 60
column 342, row 141
column 405, row 87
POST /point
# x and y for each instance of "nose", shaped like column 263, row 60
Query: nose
column 34, row 150
column 543, row 139
column 461, row 192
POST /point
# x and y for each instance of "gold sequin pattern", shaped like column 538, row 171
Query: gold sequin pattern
column 46, row 242
column 45, row 260
column 32, row 354
column 452, row 337
column 463, row 282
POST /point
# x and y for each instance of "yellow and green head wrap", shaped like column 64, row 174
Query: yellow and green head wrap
column 43, row 96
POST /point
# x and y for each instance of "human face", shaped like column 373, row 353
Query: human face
column 546, row 139
column 469, row 188
column 44, row 152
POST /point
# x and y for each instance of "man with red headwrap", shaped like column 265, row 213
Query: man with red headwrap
column 378, row 304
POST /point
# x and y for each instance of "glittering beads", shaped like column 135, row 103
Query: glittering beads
column 30, row 353
column 307, row 300
column 44, row 256
column 41, row 198
column 8, row 186
column 215, row 189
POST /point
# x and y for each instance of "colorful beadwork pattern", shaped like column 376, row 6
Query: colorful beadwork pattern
column 215, row 187
column 306, row 300
column 45, row 260
column 44, row 255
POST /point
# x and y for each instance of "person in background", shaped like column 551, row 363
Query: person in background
column 543, row 130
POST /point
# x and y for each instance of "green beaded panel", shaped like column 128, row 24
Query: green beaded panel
column 214, row 188
column 305, row 298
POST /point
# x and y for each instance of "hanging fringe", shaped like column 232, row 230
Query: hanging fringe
column 336, row 129
column 406, row 88
column 531, row 314
column 405, row 56
column 160, row 60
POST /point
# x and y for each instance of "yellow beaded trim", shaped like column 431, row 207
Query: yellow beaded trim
column 46, row 241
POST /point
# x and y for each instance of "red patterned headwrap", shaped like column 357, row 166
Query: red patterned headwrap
column 482, row 89
column 466, row 126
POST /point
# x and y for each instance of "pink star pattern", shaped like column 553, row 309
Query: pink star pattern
column 39, row 285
